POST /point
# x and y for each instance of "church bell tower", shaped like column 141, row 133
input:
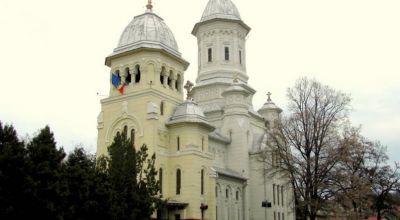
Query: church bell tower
column 146, row 83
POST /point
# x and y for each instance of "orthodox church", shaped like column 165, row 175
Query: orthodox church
column 207, row 144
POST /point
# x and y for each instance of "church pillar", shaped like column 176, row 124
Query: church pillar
column 173, row 81
column 165, row 83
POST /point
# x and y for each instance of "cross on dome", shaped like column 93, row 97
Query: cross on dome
column 269, row 97
column 149, row 6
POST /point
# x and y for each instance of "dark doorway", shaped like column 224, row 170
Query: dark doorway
column 177, row 217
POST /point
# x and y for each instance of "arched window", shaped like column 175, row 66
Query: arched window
column 237, row 195
column 209, row 55
column 160, row 179
column 118, row 74
column 118, row 133
column 227, row 53
column 133, row 137
column 202, row 182
column 126, row 132
column 170, row 79
column 162, row 75
column 267, row 124
column 178, row 182
column 137, row 77
column 128, row 78
column 178, row 143
column 162, row 108
column 227, row 193
column 240, row 57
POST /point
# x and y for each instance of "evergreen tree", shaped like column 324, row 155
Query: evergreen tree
column 13, row 178
column 45, row 169
column 134, row 187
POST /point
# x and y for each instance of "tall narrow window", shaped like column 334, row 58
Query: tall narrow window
column 283, row 216
column 277, row 193
column 162, row 108
column 226, row 53
column 273, row 193
column 126, row 132
column 279, row 216
column 274, row 215
column 282, row 195
column 237, row 195
column 160, row 179
column 240, row 57
column 202, row 182
column 169, row 80
column 202, row 144
column 137, row 77
column 178, row 144
column 178, row 182
column 227, row 193
column 133, row 137
column 209, row 55
column 216, row 191
column 128, row 78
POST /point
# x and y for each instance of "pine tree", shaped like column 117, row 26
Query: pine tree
column 13, row 178
column 45, row 169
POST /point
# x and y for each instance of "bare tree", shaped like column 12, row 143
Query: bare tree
column 307, row 142
column 385, row 181
column 352, row 187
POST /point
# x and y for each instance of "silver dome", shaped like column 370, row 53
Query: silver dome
column 188, row 112
column 147, row 31
column 220, row 9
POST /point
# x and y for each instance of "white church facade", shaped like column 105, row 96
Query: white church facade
column 207, row 144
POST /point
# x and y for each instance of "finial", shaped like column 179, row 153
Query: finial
column 149, row 6
column 235, row 78
column 188, row 87
column 269, row 97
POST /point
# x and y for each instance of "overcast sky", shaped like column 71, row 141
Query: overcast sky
column 52, row 57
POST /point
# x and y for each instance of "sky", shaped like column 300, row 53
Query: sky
column 52, row 58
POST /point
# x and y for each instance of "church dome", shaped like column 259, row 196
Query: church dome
column 270, row 106
column 147, row 30
column 188, row 112
column 224, row 9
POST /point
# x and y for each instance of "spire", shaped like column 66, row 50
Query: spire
column 269, row 97
column 149, row 6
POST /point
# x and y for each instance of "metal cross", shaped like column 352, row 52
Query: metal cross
column 269, row 96
column 149, row 6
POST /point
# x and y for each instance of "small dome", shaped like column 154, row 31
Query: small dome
column 188, row 112
column 220, row 9
column 270, row 106
column 147, row 31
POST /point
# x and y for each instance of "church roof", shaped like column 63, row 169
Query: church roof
column 220, row 9
column 189, row 112
column 223, row 10
column 147, row 30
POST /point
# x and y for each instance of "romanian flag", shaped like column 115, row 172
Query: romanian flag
column 116, row 81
